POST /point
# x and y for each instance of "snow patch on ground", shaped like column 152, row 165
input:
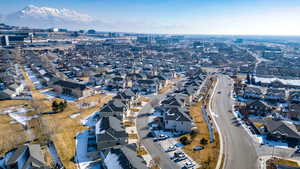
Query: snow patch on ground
column 284, row 81
column 73, row 116
column 62, row 96
column 89, row 120
column 21, row 118
column 82, row 158
column 19, row 114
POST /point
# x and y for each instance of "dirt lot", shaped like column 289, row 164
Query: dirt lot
column 11, row 134
column 209, row 155
column 63, row 129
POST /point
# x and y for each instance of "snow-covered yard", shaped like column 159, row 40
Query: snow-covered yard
column 89, row 120
column 19, row 114
column 82, row 158
column 74, row 115
column 62, row 96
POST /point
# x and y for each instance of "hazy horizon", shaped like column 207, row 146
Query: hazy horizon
column 220, row 17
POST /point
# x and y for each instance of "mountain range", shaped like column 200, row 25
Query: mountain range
column 45, row 17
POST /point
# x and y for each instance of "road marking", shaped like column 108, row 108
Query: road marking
column 218, row 166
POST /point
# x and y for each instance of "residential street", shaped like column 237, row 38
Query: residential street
column 154, row 149
column 238, row 145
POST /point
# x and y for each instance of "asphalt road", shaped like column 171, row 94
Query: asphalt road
column 239, row 149
column 153, row 148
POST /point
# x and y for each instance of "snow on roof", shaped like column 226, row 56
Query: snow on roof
column 112, row 161
column 284, row 81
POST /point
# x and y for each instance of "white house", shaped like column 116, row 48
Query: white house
column 178, row 120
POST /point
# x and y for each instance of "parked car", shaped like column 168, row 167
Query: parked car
column 197, row 148
column 189, row 164
column 179, row 156
column 171, row 148
column 160, row 137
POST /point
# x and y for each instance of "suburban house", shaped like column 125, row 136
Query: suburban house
column 160, row 80
column 71, row 88
column 252, row 93
column 110, row 133
column 116, row 83
column 279, row 131
column 27, row 157
column 114, row 107
column 7, row 94
column 145, row 86
column 294, row 111
column 177, row 119
column 127, row 95
column 124, row 157
column 257, row 107
column 275, row 95
column 294, row 96
column 17, row 88
column 174, row 101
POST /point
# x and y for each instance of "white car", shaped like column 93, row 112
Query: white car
column 189, row 164
column 171, row 148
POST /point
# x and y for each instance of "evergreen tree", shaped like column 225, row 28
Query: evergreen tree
column 54, row 106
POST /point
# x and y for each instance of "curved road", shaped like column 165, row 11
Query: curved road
column 240, row 153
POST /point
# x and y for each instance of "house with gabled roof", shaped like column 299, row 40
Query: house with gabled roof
column 177, row 119
column 279, row 131
column 127, row 96
column 124, row 157
column 145, row 86
column 174, row 101
column 294, row 96
column 252, row 93
column 110, row 132
column 257, row 107
column 27, row 157
column 275, row 94
column 71, row 88
column 114, row 107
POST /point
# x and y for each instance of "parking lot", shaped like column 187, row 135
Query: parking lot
column 174, row 150
column 168, row 142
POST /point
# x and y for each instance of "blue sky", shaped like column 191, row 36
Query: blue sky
column 246, row 17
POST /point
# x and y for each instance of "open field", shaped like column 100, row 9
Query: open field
column 12, row 133
column 62, row 129
column 58, row 127
column 207, row 157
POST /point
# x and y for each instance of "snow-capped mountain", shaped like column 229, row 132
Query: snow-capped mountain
column 45, row 17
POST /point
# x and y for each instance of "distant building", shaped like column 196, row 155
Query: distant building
column 4, row 40
column 71, row 88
